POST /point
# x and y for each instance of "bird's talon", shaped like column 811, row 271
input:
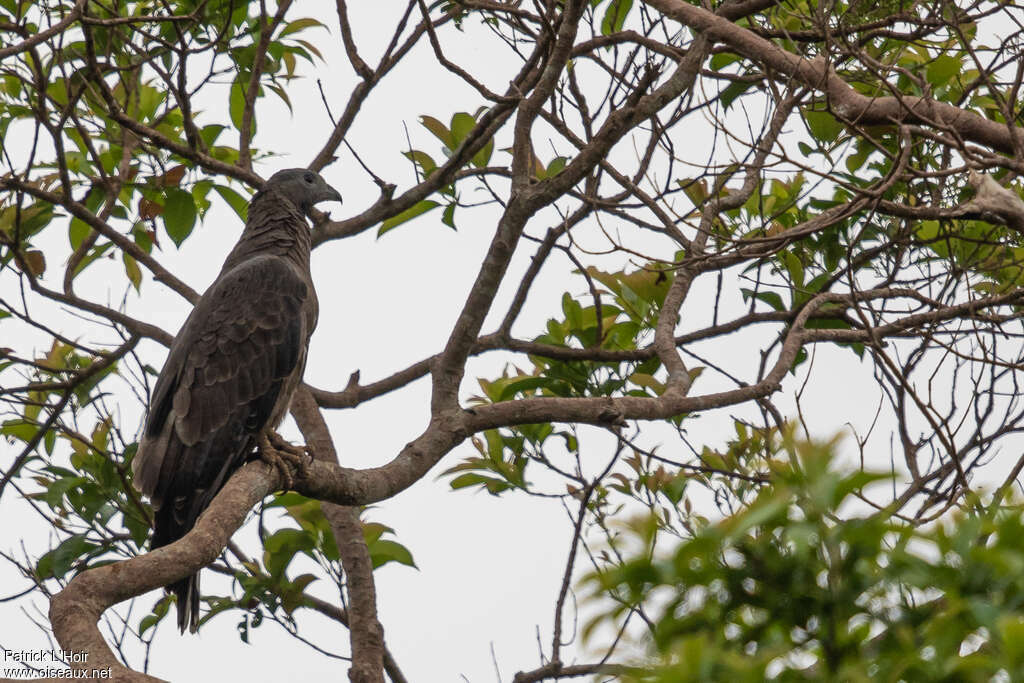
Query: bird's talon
column 285, row 457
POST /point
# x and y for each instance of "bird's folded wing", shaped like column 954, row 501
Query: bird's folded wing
column 222, row 377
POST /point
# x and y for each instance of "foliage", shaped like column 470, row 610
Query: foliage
column 723, row 193
column 796, row 587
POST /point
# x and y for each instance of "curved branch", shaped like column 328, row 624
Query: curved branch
column 846, row 102
column 42, row 36
column 75, row 610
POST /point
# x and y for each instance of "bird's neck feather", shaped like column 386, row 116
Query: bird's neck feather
column 275, row 228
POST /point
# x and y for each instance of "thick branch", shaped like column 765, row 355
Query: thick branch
column 75, row 611
column 366, row 633
column 845, row 102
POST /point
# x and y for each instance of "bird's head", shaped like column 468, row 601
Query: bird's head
column 302, row 187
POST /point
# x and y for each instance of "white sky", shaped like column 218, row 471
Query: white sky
column 489, row 569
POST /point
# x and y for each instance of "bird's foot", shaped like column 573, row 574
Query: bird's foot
column 288, row 459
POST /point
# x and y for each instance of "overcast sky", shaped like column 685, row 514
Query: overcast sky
column 489, row 569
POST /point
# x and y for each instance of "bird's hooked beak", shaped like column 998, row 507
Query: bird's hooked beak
column 328, row 194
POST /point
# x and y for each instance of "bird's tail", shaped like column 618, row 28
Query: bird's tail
column 167, row 530
column 186, row 592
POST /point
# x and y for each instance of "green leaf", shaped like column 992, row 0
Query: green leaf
column 462, row 124
column 91, row 257
column 148, row 622
column 413, row 211
column 179, row 214
column 794, row 267
column 722, row 60
column 372, row 531
column 423, row 160
column 555, row 167
column 281, row 93
column 696, row 190
column 383, row 552
column 942, row 69
column 615, row 16
column 149, row 99
column 132, row 270
column 439, row 130
column 771, row 298
column 210, row 133
column 493, row 486
column 77, row 232
column 732, row 91
column 68, row 552
column 642, row 379
column 30, row 220
column 281, row 546
column 311, row 48
column 857, row 159
column 801, row 356
column 159, row 612
column 481, row 158
column 303, row 580
column 238, row 203
column 19, row 429
column 823, row 125
column 448, row 217
column 300, row 25
column 236, row 102
column 524, row 386
column 292, row 596
column 56, row 491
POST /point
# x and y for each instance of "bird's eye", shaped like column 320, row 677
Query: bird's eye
column 309, row 178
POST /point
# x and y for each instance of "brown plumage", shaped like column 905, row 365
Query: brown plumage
column 233, row 367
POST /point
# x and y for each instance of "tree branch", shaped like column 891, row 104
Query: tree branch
column 846, row 103
column 367, row 635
